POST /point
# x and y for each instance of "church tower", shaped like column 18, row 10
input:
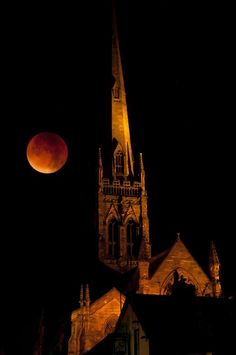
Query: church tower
column 123, row 226
column 124, row 241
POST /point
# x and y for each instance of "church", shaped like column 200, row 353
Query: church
column 124, row 241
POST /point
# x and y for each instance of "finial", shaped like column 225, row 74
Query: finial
column 214, row 267
column 100, row 167
column 87, row 296
column 178, row 236
column 213, row 253
column 141, row 161
column 100, row 156
column 142, row 172
column 81, row 298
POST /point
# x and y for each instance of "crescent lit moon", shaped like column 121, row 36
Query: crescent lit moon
column 47, row 152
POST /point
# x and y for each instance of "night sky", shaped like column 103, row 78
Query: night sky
column 179, row 78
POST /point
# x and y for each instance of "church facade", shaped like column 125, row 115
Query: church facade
column 124, row 243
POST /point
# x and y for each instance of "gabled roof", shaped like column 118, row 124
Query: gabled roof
column 179, row 257
column 178, row 248
column 106, row 298
column 156, row 261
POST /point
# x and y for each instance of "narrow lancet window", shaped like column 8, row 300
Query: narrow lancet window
column 113, row 239
column 132, row 239
column 119, row 163
column 116, row 93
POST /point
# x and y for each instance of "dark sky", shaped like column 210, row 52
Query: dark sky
column 179, row 77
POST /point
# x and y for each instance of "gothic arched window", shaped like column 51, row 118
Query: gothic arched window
column 110, row 324
column 132, row 239
column 119, row 163
column 113, row 238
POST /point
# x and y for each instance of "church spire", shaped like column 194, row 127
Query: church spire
column 123, row 225
column 122, row 151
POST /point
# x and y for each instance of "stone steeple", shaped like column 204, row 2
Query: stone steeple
column 124, row 241
column 123, row 163
column 123, row 224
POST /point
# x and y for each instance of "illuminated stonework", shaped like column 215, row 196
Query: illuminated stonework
column 123, row 236
column 91, row 323
column 123, row 225
column 157, row 276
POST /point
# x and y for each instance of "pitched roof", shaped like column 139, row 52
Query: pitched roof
column 179, row 257
column 157, row 260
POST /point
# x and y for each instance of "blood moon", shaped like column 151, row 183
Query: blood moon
column 47, row 152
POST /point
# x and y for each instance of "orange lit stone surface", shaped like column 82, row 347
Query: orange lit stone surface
column 92, row 323
column 124, row 242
